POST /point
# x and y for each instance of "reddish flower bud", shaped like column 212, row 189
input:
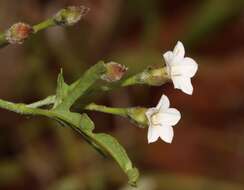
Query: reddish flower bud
column 115, row 72
column 18, row 33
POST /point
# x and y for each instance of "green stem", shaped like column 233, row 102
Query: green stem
column 130, row 81
column 44, row 25
column 22, row 108
column 50, row 22
column 27, row 110
column 101, row 108
column 81, row 86
column 133, row 80
column 47, row 101
column 3, row 41
column 134, row 114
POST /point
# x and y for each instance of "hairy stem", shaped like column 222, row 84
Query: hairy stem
column 47, row 101
column 136, row 79
column 81, row 86
column 44, row 25
column 134, row 114
column 101, row 108
column 27, row 110
column 3, row 41
column 22, row 108
column 64, row 17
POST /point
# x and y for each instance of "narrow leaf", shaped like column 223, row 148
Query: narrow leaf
column 66, row 95
column 118, row 153
column 61, row 91
column 111, row 147
column 80, row 87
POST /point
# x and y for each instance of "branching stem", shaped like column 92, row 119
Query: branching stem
column 64, row 17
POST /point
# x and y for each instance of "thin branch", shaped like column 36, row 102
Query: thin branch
column 19, row 32
column 22, row 108
column 47, row 101
column 105, row 109
column 155, row 76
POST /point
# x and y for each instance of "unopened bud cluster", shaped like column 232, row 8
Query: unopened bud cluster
column 115, row 72
column 70, row 15
column 18, row 33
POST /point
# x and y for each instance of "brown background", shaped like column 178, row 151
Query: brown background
column 208, row 148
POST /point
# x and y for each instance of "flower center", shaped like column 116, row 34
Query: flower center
column 155, row 119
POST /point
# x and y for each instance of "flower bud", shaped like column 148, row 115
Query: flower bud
column 18, row 33
column 137, row 115
column 70, row 15
column 154, row 77
column 115, row 72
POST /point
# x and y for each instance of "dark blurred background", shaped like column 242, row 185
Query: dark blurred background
column 208, row 149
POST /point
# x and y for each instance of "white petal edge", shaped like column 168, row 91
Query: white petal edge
column 163, row 103
column 177, row 82
column 168, row 56
column 179, row 50
column 189, row 67
column 152, row 134
column 186, row 85
column 166, row 133
column 183, row 83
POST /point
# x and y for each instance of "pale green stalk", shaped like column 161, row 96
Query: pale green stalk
column 57, row 19
column 101, row 108
column 136, row 79
column 36, row 28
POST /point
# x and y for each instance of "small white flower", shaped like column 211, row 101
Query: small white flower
column 161, row 119
column 180, row 69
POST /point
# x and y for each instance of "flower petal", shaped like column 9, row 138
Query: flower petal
column 163, row 103
column 177, row 82
column 169, row 117
column 168, row 56
column 188, row 67
column 183, row 83
column 166, row 133
column 179, row 51
column 150, row 112
column 186, row 85
column 152, row 134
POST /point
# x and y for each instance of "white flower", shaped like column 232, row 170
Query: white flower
column 161, row 119
column 180, row 69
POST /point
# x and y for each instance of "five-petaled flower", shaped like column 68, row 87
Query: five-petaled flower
column 161, row 119
column 180, row 69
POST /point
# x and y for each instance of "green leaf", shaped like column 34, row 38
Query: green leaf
column 118, row 153
column 81, row 86
column 61, row 91
column 66, row 95
column 74, row 120
column 109, row 146
column 87, row 123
